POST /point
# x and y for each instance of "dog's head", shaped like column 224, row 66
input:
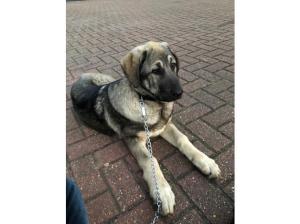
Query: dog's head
column 152, row 69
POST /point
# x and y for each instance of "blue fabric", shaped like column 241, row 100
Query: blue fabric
column 76, row 211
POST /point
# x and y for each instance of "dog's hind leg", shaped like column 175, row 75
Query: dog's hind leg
column 138, row 148
column 198, row 158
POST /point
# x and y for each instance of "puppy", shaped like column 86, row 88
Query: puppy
column 112, row 106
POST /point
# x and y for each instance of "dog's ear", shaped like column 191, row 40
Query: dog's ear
column 176, row 58
column 165, row 44
column 132, row 64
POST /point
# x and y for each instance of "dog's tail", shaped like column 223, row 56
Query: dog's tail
column 97, row 79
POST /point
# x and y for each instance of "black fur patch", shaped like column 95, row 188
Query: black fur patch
column 87, row 98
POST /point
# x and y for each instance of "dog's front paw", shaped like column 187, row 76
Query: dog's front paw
column 208, row 166
column 167, row 198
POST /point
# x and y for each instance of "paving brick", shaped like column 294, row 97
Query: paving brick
column 132, row 163
column 218, row 86
column 208, row 99
column 83, row 166
column 188, row 47
column 192, row 113
column 205, row 47
column 69, row 104
column 177, row 108
column 182, row 52
column 229, row 189
column 74, row 136
column 230, row 68
column 181, row 200
column 182, row 81
column 141, row 214
column 191, row 217
column 162, row 148
column 199, row 145
column 206, row 75
column 69, row 80
column 71, row 121
column 227, row 96
column 80, row 60
column 209, row 135
column 214, row 52
column 228, row 130
column 76, row 72
column 196, row 66
column 198, row 52
column 188, row 59
column 224, row 47
column 192, row 137
column 210, row 199
column 110, row 153
column 109, row 59
column 111, row 72
column 178, row 164
column 188, row 76
column 220, row 116
column 88, row 131
column 229, row 53
column 226, row 163
column 229, row 60
column 91, row 185
column 231, row 89
column 216, row 67
column 101, row 209
column 88, row 145
column 186, row 100
column 207, row 59
column 69, row 172
column 197, row 84
column 126, row 191
column 87, row 177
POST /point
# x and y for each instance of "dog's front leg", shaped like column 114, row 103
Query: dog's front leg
column 138, row 148
column 198, row 158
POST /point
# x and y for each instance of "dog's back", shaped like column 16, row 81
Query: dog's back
column 84, row 93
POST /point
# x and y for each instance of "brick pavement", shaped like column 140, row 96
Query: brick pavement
column 201, row 32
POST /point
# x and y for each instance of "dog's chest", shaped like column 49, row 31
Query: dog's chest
column 164, row 118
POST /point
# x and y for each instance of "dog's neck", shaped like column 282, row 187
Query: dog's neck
column 128, row 96
column 144, row 93
column 146, row 97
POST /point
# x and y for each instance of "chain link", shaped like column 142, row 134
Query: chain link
column 149, row 147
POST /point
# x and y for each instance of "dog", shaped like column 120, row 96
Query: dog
column 112, row 106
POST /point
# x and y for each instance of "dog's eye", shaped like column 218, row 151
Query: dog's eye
column 157, row 70
column 173, row 66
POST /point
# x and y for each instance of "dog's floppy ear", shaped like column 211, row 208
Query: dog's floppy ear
column 131, row 64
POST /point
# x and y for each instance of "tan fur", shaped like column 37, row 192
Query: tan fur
column 156, row 46
column 98, row 78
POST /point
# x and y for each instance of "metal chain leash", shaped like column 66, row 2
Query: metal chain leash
column 149, row 147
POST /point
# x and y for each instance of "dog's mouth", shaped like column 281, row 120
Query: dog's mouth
column 170, row 97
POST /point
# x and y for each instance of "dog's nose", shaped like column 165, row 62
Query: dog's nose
column 177, row 93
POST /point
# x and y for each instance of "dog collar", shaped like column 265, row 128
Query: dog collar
column 145, row 97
